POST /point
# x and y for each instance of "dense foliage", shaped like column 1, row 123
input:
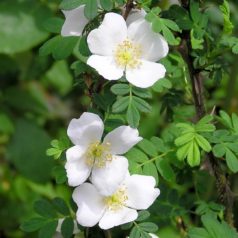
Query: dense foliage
column 188, row 119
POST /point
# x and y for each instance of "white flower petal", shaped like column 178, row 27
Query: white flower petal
column 90, row 205
column 153, row 235
column 118, row 217
column 140, row 191
column 107, row 179
column 122, row 139
column 112, row 31
column 75, row 153
column 146, row 75
column 77, row 171
column 106, row 66
column 75, row 21
column 154, row 46
column 85, row 130
column 135, row 15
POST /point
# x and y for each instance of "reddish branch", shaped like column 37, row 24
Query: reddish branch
column 225, row 194
column 129, row 6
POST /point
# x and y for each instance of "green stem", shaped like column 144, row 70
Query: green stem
column 155, row 158
column 107, row 234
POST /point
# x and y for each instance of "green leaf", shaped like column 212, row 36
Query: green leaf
column 65, row 47
column 135, row 232
column 6, row 125
column 133, row 116
column 143, row 215
column 193, row 155
column 90, row 10
column 141, row 104
column 33, row 224
column 232, row 161
column 61, row 206
column 159, row 144
column 120, row 89
column 136, row 155
column 211, row 225
column 53, row 24
column 203, row 143
column 59, row 77
column 148, row 147
column 213, row 229
column 60, row 47
column 168, row 35
column 49, row 46
column 184, row 139
column 198, row 233
column 197, row 44
column 141, row 92
column 181, row 17
column 59, row 146
column 71, row 4
column 67, row 227
column 20, row 29
column 150, row 170
column 106, row 4
column 27, row 151
column 186, row 128
column 48, row 230
column 103, row 101
column 219, row 150
column 206, row 119
column 60, row 174
column 165, row 169
column 182, row 152
column 157, row 25
column 44, row 208
column 225, row 119
column 171, row 24
column 228, row 26
column 83, row 47
column 204, row 125
column 135, row 168
column 194, row 11
column 79, row 68
column 191, row 141
column 234, row 119
column 164, row 25
column 161, row 85
column 121, row 104
column 126, row 226
column 148, row 227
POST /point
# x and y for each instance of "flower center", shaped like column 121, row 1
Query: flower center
column 98, row 154
column 128, row 54
column 117, row 200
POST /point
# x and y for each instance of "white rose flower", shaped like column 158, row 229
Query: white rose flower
column 133, row 49
column 75, row 21
column 101, row 160
column 136, row 192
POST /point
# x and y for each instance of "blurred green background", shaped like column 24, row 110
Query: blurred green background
column 38, row 97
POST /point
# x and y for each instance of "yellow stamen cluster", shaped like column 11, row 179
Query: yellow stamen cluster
column 128, row 54
column 98, row 154
column 116, row 201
